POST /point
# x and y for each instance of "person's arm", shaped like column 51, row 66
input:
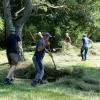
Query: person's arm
column 39, row 34
column 33, row 37
column 47, row 51
column 43, row 46
column 82, row 41
column 40, row 48
column 19, row 45
column 90, row 41
column 69, row 40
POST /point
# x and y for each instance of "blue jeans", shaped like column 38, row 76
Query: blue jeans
column 84, row 51
column 38, row 67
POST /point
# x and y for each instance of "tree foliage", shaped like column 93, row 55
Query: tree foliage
column 60, row 16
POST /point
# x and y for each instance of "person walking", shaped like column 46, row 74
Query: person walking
column 40, row 50
column 85, row 46
column 66, row 43
column 12, row 51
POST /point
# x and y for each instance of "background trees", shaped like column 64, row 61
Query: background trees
column 12, row 18
column 58, row 17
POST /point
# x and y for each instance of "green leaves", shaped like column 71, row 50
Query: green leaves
column 1, row 24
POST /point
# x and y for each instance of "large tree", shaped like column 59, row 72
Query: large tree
column 20, row 21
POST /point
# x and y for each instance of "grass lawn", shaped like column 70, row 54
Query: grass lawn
column 69, row 87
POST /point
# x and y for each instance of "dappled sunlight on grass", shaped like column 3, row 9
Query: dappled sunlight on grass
column 73, row 80
column 23, row 91
column 89, row 64
column 3, row 58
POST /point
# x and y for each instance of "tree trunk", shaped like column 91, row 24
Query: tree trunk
column 20, row 22
column 7, row 15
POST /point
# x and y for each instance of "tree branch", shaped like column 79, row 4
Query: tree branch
column 50, row 6
column 25, row 17
column 19, row 11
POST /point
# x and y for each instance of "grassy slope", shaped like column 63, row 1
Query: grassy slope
column 66, row 88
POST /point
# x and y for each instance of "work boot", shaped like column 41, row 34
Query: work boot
column 12, row 80
column 42, row 82
column 34, row 83
column 7, row 81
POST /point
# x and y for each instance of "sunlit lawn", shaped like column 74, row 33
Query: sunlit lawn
column 65, row 88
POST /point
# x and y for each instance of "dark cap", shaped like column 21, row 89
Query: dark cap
column 84, row 35
column 47, row 34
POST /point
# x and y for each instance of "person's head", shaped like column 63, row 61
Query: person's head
column 84, row 35
column 46, row 36
column 66, row 34
column 12, row 30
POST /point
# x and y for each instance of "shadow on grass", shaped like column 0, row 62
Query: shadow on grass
column 18, row 87
column 84, row 79
column 50, row 73
column 3, row 74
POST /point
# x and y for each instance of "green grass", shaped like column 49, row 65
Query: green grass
column 69, row 87
column 22, row 90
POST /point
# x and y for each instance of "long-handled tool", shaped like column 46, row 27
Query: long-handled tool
column 33, row 37
column 55, row 67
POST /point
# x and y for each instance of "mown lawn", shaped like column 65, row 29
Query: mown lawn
column 22, row 90
column 69, row 87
